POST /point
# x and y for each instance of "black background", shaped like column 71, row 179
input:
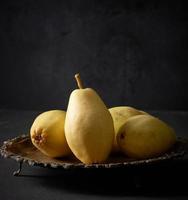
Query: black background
column 132, row 52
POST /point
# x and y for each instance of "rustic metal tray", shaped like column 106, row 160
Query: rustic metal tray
column 22, row 150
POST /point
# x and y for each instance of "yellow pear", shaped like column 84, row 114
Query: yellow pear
column 120, row 115
column 89, row 126
column 145, row 136
column 47, row 133
column 143, row 112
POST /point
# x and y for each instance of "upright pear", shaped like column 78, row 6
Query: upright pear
column 89, row 126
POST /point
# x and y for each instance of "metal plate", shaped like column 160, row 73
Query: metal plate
column 22, row 150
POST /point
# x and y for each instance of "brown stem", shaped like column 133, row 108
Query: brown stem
column 79, row 81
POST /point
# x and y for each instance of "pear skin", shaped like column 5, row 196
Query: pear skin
column 145, row 136
column 120, row 115
column 89, row 126
column 47, row 134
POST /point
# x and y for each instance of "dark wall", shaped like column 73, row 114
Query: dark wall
column 132, row 52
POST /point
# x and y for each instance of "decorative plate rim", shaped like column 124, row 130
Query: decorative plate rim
column 21, row 159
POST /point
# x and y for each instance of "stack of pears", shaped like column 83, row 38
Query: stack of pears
column 91, row 131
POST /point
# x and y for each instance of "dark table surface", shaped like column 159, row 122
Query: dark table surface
column 162, row 181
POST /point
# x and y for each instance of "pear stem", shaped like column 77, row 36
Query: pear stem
column 79, row 81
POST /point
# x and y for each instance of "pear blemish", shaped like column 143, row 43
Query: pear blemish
column 122, row 136
column 39, row 137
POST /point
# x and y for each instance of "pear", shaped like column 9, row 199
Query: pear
column 120, row 115
column 47, row 134
column 145, row 136
column 89, row 126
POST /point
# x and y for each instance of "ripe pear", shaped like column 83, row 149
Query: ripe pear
column 145, row 136
column 120, row 115
column 47, row 134
column 89, row 126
